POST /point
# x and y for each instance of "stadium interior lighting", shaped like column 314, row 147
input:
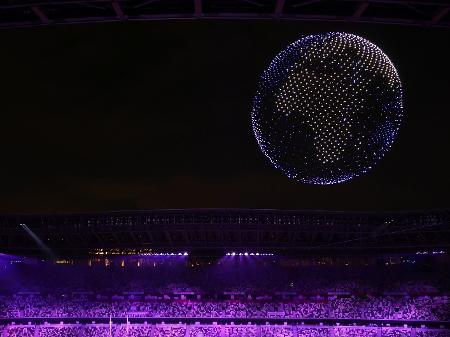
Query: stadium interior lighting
column 134, row 252
column 434, row 252
column 166, row 254
column 248, row 254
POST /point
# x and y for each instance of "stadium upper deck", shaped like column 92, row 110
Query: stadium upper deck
column 227, row 229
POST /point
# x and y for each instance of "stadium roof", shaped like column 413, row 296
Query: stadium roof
column 200, row 229
column 17, row 13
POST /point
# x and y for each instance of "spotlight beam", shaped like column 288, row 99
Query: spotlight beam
column 38, row 241
column 440, row 13
column 198, row 11
column 360, row 9
column 40, row 14
column 118, row 10
column 279, row 6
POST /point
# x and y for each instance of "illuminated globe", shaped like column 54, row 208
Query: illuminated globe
column 328, row 108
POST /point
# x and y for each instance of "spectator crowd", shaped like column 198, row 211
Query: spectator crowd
column 182, row 330
column 429, row 308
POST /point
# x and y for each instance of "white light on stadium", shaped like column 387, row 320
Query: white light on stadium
column 248, row 254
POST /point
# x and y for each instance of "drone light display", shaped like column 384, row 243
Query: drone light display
column 328, row 108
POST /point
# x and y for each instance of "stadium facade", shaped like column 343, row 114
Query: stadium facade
column 216, row 231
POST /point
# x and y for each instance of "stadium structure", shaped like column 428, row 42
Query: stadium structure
column 225, row 272
column 214, row 231
column 426, row 13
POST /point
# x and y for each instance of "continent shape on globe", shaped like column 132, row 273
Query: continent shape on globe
column 328, row 108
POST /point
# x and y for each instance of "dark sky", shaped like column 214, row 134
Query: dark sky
column 157, row 115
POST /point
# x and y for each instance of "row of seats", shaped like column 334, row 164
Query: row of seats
column 182, row 330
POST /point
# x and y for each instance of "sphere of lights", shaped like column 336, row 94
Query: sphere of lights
column 327, row 108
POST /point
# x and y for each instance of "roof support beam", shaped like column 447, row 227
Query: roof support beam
column 279, row 6
column 118, row 10
column 198, row 11
column 40, row 14
column 305, row 3
column 360, row 9
column 440, row 13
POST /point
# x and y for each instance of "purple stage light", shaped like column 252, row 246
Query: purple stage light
column 165, row 254
column 248, row 254
column 434, row 252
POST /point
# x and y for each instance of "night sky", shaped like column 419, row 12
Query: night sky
column 157, row 115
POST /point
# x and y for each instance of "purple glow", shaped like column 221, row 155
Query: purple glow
column 213, row 330
column 434, row 252
column 165, row 254
column 248, row 254
column 169, row 287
